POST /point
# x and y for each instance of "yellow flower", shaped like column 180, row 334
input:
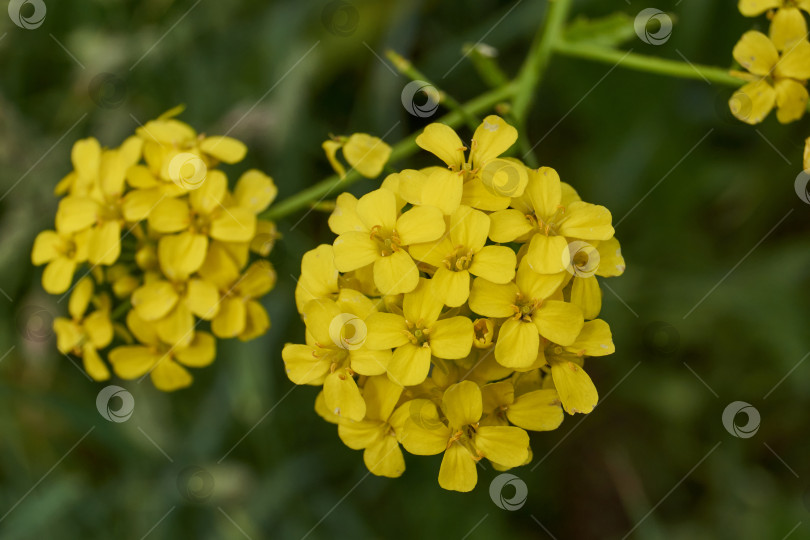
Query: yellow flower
column 376, row 434
column 576, row 390
column 365, row 154
column 461, row 437
column 62, row 253
column 774, row 79
column 165, row 364
column 83, row 335
column 534, row 308
column 543, row 219
column 381, row 237
column 488, row 180
column 787, row 23
column 330, row 359
column 417, row 334
column 536, row 410
column 603, row 259
column 463, row 252
column 319, row 277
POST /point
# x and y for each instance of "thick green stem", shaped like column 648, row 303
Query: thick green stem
column 648, row 64
column 404, row 148
column 535, row 65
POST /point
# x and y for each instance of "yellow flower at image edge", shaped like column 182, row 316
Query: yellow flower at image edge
column 774, row 79
column 787, row 23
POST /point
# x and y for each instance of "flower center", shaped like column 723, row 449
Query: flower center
column 459, row 260
column 388, row 243
column 525, row 307
column 417, row 333
column 549, row 225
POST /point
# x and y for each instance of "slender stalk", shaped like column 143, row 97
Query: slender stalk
column 648, row 64
column 401, row 150
column 405, row 67
column 536, row 62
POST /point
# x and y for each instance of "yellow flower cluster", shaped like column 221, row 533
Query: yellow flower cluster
column 157, row 234
column 778, row 65
column 455, row 309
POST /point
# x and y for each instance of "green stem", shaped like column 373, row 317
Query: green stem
column 648, row 64
column 401, row 150
column 405, row 67
column 540, row 53
column 486, row 66
column 120, row 310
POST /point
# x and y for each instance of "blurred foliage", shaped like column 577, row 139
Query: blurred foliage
column 705, row 207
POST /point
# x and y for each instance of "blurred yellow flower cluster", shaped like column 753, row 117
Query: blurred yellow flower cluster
column 160, row 240
column 777, row 65
column 455, row 309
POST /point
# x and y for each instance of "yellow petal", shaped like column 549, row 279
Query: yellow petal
column 319, row 277
column 303, row 363
column 756, row 53
column 86, row 157
column 442, row 141
column 177, row 327
column 48, row 245
column 353, row 250
column 199, row 353
column 143, row 330
column 576, row 390
column 752, row 8
column 384, row 458
column 57, row 275
column 75, row 214
column 381, row 396
column 140, row 177
column 255, row 191
column 544, row 191
column 359, row 435
column 451, row 338
column 210, row 194
column 396, row 273
column 69, row 335
column 586, row 221
column 343, row 397
column 104, row 243
column 595, row 339
column 508, row 225
column 433, row 253
column 504, row 445
column 458, row 471
column 378, row 208
column 80, row 297
column 258, row 280
column 369, row 362
column 442, row 189
column 181, row 255
column 169, row 216
column 494, row 263
column 366, row 154
column 517, row 344
column 257, row 322
column 112, row 174
column 547, row 254
column 611, row 261
column 492, row 300
column 385, row 331
column 451, row 288
column 138, row 204
column 752, row 103
column 462, row 404
column 795, row 62
column 344, row 217
column 99, row 329
column 420, row 224
column 559, row 322
column 202, row 298
column 505, row 177
column 154, row 300
column 477, row 195
column 791, row 100
column 491, row 139
column 225, row 149
column 586, row 294
column 93, row 364
column 539, row 410
column 219, row 267
column 787, row 28
column 234, row 224
column 169, row 376
column 421, row 306
column 231, row 319
column 422, row 431
column 331, row 148
column 132, row 361
column 469, row 228
column 409, row 364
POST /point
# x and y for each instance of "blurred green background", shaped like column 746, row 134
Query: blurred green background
column 703, row 203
